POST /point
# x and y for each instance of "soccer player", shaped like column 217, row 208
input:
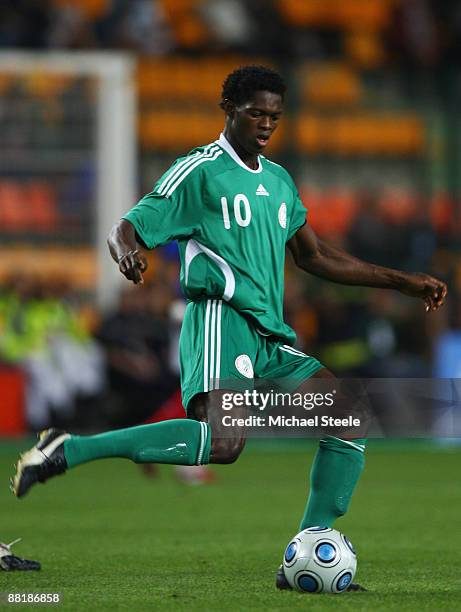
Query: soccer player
column 233, row 213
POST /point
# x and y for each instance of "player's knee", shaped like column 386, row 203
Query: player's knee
column 226, row 450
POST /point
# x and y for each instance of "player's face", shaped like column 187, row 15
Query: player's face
column 254, row 122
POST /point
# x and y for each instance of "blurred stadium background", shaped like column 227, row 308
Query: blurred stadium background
column 97, row 97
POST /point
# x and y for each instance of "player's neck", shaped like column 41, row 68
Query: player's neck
column 249, row 159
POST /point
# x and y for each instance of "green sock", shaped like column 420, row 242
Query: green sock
column 178, row 441
column 336, row 469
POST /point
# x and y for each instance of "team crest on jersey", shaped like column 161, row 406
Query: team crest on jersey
column 283, row 215
column 244, row 366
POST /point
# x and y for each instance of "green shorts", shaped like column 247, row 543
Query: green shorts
column 221, row 349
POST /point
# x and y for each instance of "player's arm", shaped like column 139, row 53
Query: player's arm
column 320, row 259
column 125, row 251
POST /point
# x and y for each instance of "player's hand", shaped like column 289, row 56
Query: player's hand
column 132, row 265
column 431, row 290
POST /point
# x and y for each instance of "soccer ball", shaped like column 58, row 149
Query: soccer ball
column 319, row 560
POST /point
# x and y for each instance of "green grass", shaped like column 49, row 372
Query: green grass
column 109, row 539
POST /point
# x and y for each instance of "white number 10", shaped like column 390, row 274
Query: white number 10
column 244, row 220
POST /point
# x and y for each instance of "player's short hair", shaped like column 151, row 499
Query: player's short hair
column 240, row 85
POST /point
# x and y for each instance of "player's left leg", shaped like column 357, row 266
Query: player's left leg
column 336, row 469
column 340, row 459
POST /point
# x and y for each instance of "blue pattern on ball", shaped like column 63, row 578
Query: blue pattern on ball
column 308, row 583
column 290, row 552
column 344, row 581
column 325, row 552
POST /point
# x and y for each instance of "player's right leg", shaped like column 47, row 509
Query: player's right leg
column 195, row 441
column 179, row 442
column 227, row 442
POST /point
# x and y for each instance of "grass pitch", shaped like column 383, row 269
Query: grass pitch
column 110, row 539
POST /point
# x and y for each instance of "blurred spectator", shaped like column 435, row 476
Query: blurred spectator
column 43, row 335
column 413, row 35
column 230, row 24
column 273, row 39
column 447, row 350
column 137, row 25
column 24, row 23
column 247, row 26
column 447, row 364
column 369, row 235
column 70, row 28
column 136, row 341
column 341, row 337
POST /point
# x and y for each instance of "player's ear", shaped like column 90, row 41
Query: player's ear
column 228, row 107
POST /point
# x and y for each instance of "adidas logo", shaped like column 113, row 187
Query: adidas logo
column 262, row 191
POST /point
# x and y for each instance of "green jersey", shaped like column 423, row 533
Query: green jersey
column 231, row 224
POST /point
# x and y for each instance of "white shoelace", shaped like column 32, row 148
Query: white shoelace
column 5, row 549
